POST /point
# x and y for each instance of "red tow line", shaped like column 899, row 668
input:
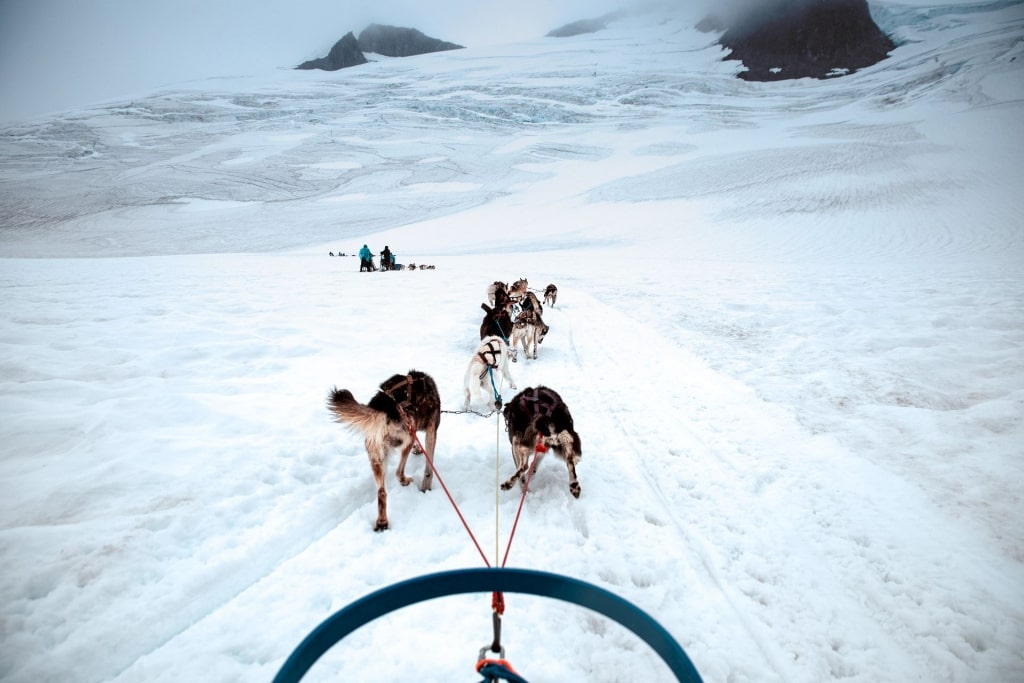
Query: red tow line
column 497, row 597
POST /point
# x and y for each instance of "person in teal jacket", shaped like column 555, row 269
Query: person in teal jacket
column 365, row 259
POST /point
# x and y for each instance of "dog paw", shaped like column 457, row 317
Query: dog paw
column 405, row 481
column 574, row 489
column 506, row 486
column 381, row 525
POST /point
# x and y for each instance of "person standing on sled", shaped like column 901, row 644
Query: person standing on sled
column 365, row 259
column 386, row 260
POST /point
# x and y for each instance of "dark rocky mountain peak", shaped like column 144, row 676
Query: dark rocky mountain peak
column 578, row 28
column 582, row 26
column 390, row 41
column 345, row 53
column 396, row 41
column 782, row 39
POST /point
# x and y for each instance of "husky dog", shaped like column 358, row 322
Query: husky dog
column 538, row 419
column 529, row 301
column 491, row 357
column 404, row 405
column 518, row 289
column 550, row 295
column 494, row 290
column 497, row 321
column 528, row 332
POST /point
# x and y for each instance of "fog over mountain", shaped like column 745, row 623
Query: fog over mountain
column 64, row 53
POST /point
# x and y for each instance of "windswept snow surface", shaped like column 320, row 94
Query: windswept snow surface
column 789, row 327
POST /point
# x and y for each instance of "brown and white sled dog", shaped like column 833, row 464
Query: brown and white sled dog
column 491, row 357
column 529, row 301
column 518, row 289
column 550, row 295
column 404, row 405
column 538, row 419
column 528, row 332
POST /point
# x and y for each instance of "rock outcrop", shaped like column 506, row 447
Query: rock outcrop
column 586, row 25
column 345, row 53
column 782, row 39
column 390, row 41
column 396, row 41
column 578, row 28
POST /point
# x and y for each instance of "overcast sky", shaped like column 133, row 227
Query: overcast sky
column 60, row 54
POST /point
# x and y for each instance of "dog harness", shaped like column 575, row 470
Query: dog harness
column 494, row 351
column 527, row 317
column 401, row 390
column 498, row 320
column 538, row 402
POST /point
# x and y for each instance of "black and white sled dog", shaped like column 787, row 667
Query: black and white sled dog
column 550, row 295
column 537, row 420
column 404, row 405
column 491, row 358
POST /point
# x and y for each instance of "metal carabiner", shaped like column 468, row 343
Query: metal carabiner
column 483, row 651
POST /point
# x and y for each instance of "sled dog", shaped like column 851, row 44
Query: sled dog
column 518, row 289
column 497, row 321
column 528, row 332
column 491, row 357
column 404, row 405
column 495, row 290
column 550, row 295
column 538, row 419
column 530, row 302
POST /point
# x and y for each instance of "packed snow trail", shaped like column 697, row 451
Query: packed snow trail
column 737, row 477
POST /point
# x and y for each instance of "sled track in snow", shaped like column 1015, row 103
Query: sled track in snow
column 595, row 353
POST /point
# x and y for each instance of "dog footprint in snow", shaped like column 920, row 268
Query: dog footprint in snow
column 651, row 519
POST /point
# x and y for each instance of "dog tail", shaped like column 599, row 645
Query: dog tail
column 353, row 414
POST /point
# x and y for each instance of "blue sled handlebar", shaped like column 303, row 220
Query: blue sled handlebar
column 430, row 586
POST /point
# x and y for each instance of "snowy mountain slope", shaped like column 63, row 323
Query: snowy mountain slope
column 304, row 151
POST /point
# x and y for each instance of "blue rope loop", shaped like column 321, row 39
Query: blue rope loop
column 496, row 671
column 497, row 394
column 460, row 581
